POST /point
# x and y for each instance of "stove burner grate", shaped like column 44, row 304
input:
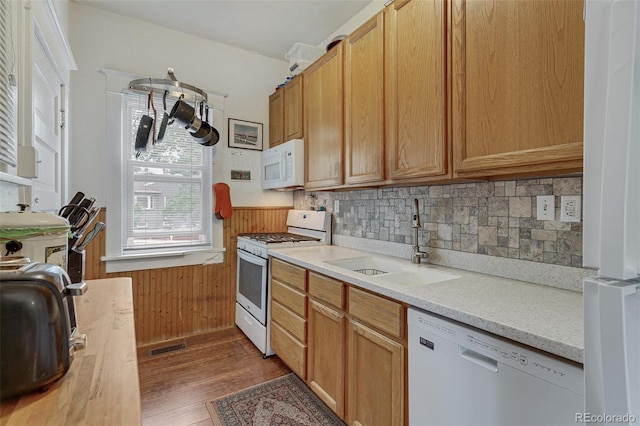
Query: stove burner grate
column 269, row 238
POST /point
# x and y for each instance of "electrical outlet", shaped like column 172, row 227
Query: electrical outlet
column 336, row 206
column 546, row 207
column 570, row 208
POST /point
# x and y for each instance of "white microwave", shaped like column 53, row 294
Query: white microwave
column 283, row 166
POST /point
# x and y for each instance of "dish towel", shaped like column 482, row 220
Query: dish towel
column 223, row 208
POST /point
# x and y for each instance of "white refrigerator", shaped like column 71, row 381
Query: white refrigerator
column 612, row 212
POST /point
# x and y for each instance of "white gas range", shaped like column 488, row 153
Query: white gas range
column 305, row 228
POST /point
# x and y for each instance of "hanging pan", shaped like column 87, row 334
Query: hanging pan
column 144, row 129
column 165, row 119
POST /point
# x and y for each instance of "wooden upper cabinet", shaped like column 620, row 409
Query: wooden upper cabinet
column 276, row 118
column 323, row 118
column 364, row 103
column 285, row 113
column 293, row 123
column 415, row 92
column 517, row 86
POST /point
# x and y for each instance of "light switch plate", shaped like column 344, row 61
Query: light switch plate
column 546, row 207
column 570, row 208
column 336, row 206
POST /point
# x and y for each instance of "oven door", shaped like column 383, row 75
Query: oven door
column 251, row 285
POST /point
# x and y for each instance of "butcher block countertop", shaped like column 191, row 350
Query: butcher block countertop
column 101, row 386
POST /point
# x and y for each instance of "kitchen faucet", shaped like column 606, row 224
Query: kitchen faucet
column 416, row 254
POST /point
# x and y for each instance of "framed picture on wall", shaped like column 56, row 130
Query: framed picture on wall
column 245, row 134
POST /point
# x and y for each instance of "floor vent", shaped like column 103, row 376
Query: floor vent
column 165, row 349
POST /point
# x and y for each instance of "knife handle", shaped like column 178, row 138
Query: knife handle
column 66, row 211
column 90, row 236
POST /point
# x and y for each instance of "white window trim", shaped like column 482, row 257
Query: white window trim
column 116, row 82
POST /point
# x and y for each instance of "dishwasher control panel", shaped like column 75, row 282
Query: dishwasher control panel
column 495, row 348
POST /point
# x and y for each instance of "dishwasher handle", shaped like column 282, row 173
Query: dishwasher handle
column 478, row 359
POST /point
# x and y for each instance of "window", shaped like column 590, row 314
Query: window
column 167, row 189
column 142, row 202
column 159, row 205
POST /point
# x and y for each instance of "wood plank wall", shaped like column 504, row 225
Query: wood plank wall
column 170, row 303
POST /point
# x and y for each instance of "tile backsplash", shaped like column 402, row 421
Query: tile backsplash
column 495, row 218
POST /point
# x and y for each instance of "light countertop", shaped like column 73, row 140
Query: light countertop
column 547, row 318
column 101, row 386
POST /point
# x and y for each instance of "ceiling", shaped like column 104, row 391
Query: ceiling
column 267, row 27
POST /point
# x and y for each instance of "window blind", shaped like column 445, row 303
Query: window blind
column 8, row 143
column 167, row 189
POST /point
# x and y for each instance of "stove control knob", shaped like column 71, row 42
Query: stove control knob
column 256, row 251
column 241, row 245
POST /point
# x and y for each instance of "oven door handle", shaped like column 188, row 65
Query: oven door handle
column 252, row 258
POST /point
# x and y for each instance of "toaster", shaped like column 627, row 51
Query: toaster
column 38, row 327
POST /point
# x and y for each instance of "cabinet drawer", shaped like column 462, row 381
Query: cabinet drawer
column 287, row 273
column 326, row 289
column 289, row 321
column 289, row 297
column 289, row 350
column 381, row 313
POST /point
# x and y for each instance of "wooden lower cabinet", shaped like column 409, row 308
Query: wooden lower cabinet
column 289, row 315
column 289, row 349
column 376, row 385
column 347, row 344
column 326, row 349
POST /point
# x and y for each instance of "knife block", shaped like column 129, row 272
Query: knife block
column 75, row 265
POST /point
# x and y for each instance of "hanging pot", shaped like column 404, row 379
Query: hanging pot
column 199, row 128
column 206, row 135
column 183, row 112
column 211, row 139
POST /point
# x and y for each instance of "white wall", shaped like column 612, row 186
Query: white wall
column 101, row 39
column 360, row 18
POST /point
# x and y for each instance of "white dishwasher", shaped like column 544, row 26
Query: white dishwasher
column 461, row 376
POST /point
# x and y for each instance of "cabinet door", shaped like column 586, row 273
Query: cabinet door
column 364, row 103
column 375, row 378
column 415, row 92
column 293, row 123
column 517, row 77
column 325, row 366
column 276, row 118
column 47, row 103
column 323, row 117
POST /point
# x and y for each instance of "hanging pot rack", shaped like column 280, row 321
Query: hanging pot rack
column 171, row 84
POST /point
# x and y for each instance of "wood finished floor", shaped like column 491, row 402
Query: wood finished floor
column 175, row 386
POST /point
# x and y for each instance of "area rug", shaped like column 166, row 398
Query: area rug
column 283, row 401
